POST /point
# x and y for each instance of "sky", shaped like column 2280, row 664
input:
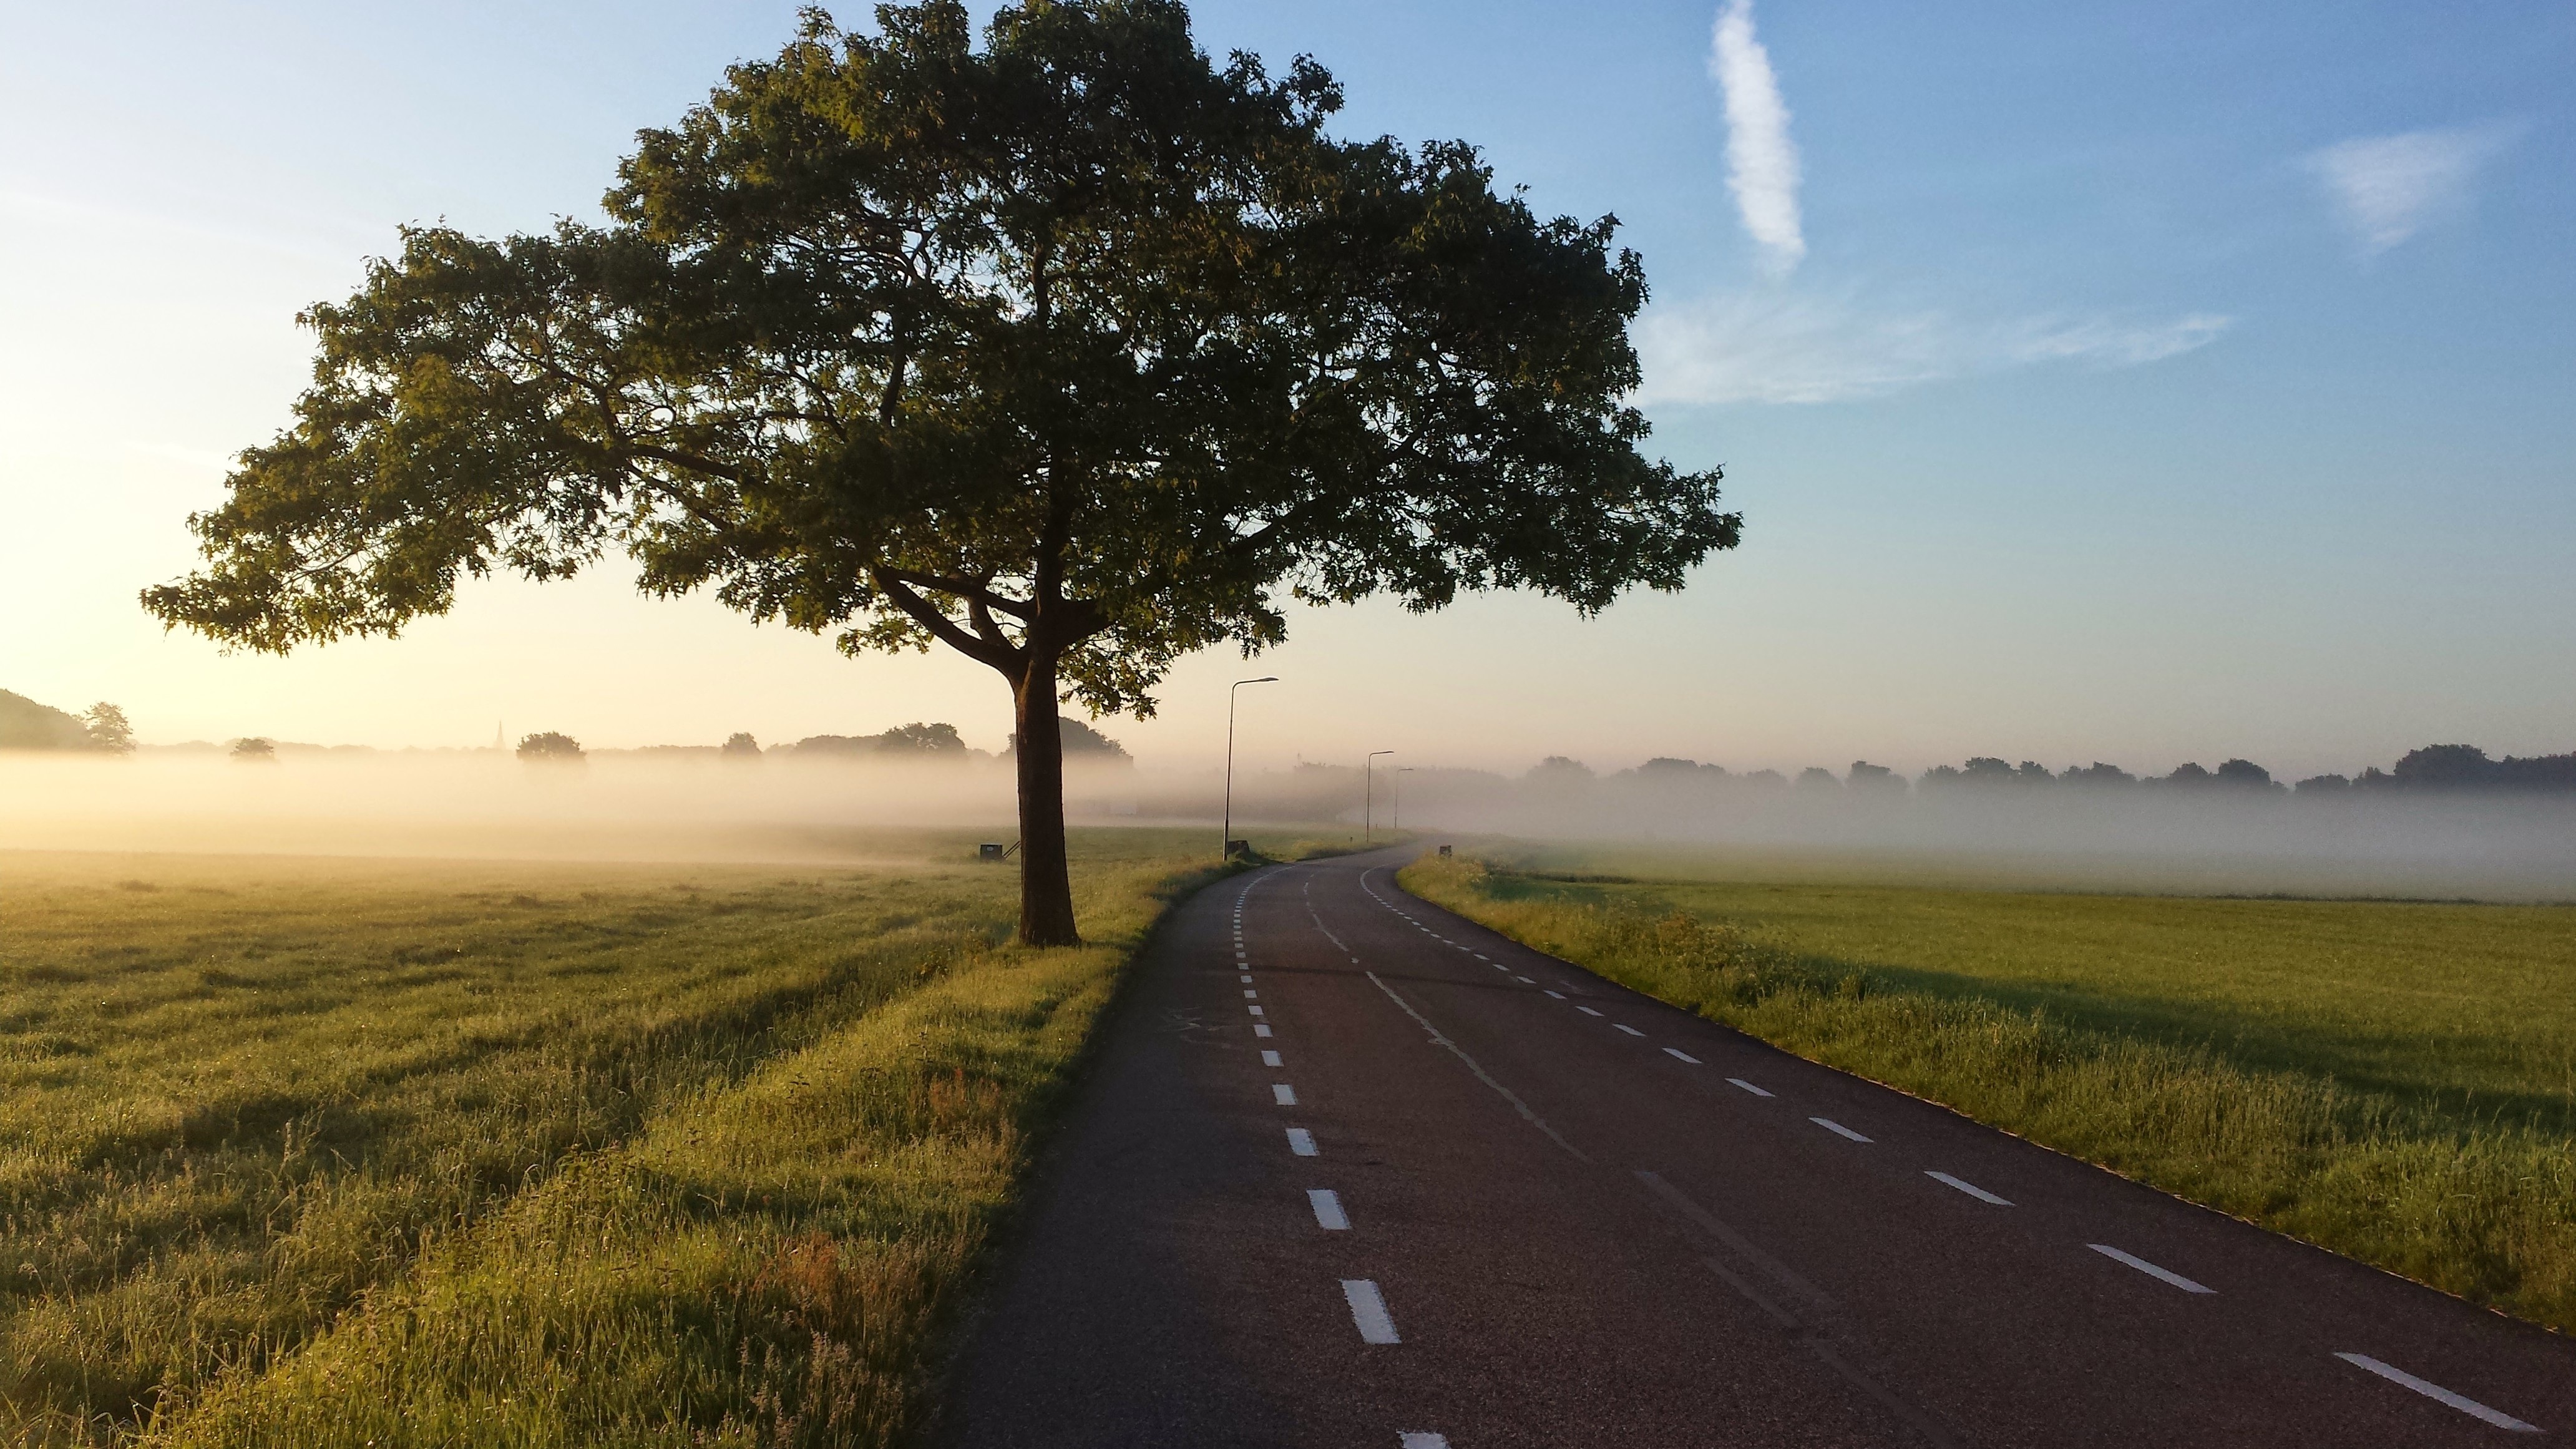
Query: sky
column 2136, row 382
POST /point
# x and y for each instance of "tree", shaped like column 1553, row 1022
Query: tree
column 2244, row 774
column 255, row 750
column 923, row 741
column 1072, row 352
column 1877, row 779
column 108, row 729
column 2445, row 767
column 741, row 745
column 551, row 748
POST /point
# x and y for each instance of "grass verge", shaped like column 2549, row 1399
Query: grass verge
column 2478, row 1201
column 352, row 1154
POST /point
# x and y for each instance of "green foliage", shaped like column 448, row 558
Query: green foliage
column 340, row 1153
column 2395, row 1082
column 1094, row 341
column 253, row 749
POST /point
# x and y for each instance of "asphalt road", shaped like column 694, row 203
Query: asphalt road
column 1350, row 1170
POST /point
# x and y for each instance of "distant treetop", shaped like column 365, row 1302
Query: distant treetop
column 550, row 747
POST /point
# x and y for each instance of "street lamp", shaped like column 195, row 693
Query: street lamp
column 1225, row 845
column 1368, row 795
column 1399, row 797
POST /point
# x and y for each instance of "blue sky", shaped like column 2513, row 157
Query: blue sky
column 2141, row 382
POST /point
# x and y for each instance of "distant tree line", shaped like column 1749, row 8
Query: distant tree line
column 2431, row 769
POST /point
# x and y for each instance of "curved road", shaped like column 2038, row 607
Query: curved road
column 1350, row 1170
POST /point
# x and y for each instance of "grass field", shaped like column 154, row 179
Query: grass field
column 2395, row 1081
column 347, row 1152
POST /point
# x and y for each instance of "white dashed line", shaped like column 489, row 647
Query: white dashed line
column 1249, row 994
column 1258, row 1029
column 1587, row 1011
column 1830, row 1125
column 1246, row 978
column 2461, row 1402
column 1559, row 995
column 1630, row 1030
column 1479, row 955
column 2165, row 1275
column 1416, row 1439
column 1255, row 1010
column 1678, row 1052
column 1284, row 1094
column 1748, row 1086
column 1970, row 1188
column 1301, row 1142
column 1328, row 1209
column 1270, row 1059
column 1368, row 1310
column 1525, row 981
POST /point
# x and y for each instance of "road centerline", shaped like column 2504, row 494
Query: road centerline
column 2151, row 1270
column 2439, row 1394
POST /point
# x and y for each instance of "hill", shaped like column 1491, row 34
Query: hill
column 27, row 725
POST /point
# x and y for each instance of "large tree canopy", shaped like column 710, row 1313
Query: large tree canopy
column 1072, row 351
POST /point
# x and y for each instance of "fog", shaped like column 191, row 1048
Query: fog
column 683, row 806
column 2141, row 836
column 489, row 804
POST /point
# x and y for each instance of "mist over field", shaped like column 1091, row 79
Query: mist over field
column 699, row 805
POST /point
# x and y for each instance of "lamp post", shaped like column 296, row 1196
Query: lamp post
column 1225, row 843
column 1399, row 797
column 1368, row 795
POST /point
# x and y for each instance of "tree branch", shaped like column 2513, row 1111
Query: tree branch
column 1000, row 657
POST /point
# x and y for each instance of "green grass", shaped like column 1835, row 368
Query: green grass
column 2394, row 1081
column 323, row 1152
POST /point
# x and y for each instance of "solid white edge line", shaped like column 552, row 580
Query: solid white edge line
column 1678, row 1052
column 1270, row 1059
column 1838, row 1129
column 1328, row 1209
column 1630, row 1030
column 1301, row 1142
column 1970, row 1188
column 1748, row 1086
column 1284, row 1094
column 2461, row 1402
column 2151, row 1270
column 1368, row 1311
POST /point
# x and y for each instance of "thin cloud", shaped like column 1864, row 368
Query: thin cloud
column 1769, row 347
column 2391, row 187
column 1761, row 160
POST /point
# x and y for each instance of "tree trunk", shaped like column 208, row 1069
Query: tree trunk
column 1046, row 888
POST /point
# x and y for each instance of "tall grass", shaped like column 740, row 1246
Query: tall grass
column 2483, row 1207
column 435, row 1156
